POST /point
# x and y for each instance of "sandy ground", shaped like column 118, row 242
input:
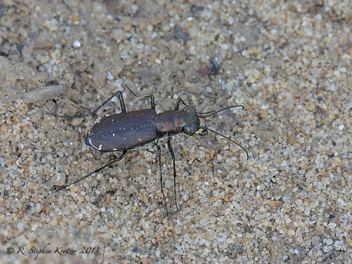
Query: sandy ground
column 288, row 63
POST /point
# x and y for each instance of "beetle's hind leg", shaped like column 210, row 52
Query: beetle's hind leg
column 116, row 159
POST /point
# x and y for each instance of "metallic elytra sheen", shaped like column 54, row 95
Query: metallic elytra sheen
column 128, row 130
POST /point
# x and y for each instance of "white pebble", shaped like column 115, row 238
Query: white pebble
column 77, row 44
column 109, row 76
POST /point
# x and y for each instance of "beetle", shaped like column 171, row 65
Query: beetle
column 127, row 130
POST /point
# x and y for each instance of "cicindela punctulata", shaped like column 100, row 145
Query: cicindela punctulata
column 128, row 130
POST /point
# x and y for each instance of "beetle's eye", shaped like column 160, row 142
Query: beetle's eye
column 189, row 129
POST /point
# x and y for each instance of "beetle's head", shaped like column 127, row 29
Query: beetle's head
column 190, row 121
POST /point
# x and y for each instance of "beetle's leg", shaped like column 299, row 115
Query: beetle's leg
column 177, row 105
column 122, row 103
column 152, row 103
column 171, row 150
column 116, row 159
column 130, row 90
column 63, row 116
column 161, row 176
column 123, row 107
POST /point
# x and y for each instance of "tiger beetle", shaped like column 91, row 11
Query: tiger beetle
column 128, row 130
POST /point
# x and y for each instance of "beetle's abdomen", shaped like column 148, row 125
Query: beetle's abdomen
column 123, row 131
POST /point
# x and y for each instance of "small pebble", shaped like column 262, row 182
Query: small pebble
column 77, row 44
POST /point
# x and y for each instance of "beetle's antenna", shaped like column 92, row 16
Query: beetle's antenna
column 207, row 128
column 206, row 114
column 126, row 86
